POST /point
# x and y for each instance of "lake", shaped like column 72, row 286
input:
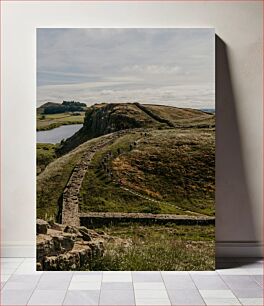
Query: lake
column 57, row 134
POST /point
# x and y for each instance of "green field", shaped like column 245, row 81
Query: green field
column 46, row 153
column 159, row 248
column 51, row 121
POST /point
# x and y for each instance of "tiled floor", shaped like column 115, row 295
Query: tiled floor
column 238, row 282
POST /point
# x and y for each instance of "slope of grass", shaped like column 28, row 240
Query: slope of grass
column 182, row 116
column 175, row 167
column 158, row 248
column 46, row 153
column 52, row 181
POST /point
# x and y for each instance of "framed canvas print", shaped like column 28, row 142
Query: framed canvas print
column 125, row 149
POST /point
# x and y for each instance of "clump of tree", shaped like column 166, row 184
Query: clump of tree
column 65, row 107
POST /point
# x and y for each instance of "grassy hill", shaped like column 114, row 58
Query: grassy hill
column 153, row 167
column 101, row 119
column 168, row 169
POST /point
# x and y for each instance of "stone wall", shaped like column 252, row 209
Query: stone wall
column 95, row 219
column 62, row 247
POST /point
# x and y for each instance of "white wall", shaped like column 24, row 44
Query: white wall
column 239, row 106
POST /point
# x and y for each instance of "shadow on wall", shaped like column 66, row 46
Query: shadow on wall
column 234, row 215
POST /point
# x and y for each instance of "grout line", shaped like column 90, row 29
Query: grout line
column 67, row 289
column 100, row 291
column 231, row 288
column 134, row 293
column 34, row 288
column 197, row 288
column 165, row 287
column 252, row 276
column 19, row 265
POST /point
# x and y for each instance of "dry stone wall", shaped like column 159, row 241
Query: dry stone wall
column 70, row 202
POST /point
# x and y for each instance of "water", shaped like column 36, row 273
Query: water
column 57, row 134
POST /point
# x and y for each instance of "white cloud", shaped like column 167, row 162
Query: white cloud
column 164, row 66
column 152, row 69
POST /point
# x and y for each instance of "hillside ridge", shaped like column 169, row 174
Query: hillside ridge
column 102, row 119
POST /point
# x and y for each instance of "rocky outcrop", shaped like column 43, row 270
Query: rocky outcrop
column 42, row 226
column 102, row 119
column 68, row 247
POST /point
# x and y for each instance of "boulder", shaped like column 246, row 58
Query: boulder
column 55, row 226
column 71, row 230
column 42, row 226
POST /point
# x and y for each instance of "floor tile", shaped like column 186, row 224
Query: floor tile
column 20, row 285
column 146, row 277
column 15, row 297
column 217, row 294
column 209, row 282
column 117, row 277
column 8, row 270
column 248, row 293
column 87, row 297
column 148, row 302
column 178, row 282
column 47, row 297
column 258, row 279
column 233, row 271
column 85, row 286
column 117, row 297
column 254, row 271
column 5, row 277
column 27, row 268
column 31, row 278
column 88, row 273
column 251, row 301
column 87, row 278
column 54, row 281
column 151, row 294
column 185, row 297
column 117, row 286
column 178, row 273
column 221, row 302
column 11, row 265
column 205, row 273
column 240, row 282
column 149, row 286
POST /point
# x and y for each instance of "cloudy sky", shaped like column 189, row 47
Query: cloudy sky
column 158, row 66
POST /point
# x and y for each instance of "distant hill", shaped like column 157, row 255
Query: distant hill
column 64, row 107
column 102, row 119
column 40, row 110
